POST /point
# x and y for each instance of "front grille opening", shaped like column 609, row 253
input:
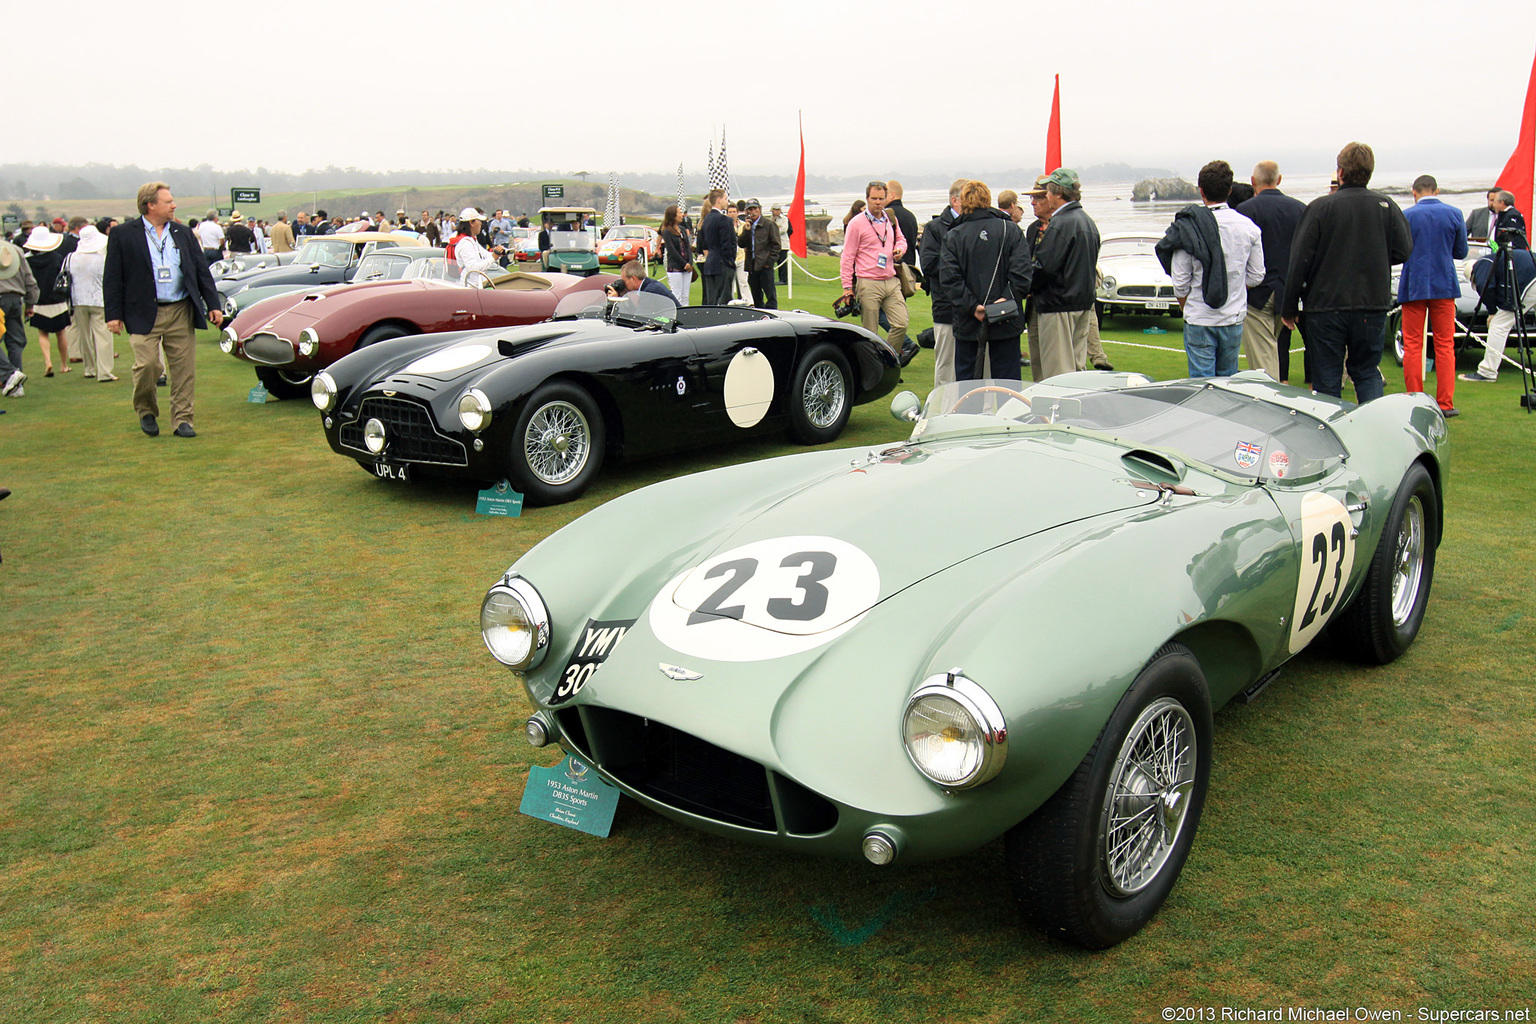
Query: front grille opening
column 411, row 435
column 683, row 771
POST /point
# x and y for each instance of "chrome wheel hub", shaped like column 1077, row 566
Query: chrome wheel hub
column 1408, row 562
column 557, row 442
column 823, row 394
column 1147, row 800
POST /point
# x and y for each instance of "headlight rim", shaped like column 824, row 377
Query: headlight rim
column 985, row 714
column 323, row 382
column 482, row 410
column 309, row 342
column 534, row 610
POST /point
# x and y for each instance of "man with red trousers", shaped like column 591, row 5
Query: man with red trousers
column 1428, row 290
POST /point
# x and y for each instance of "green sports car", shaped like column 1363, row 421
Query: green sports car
column 1091, row 566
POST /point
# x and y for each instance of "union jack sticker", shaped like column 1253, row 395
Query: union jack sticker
column 1247, row 454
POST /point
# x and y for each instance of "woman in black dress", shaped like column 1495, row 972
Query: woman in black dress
column 50, row 315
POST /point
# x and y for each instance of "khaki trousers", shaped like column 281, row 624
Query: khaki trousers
column 92, row 339
column 1061, row 345
column 174, row 330
column 875, row 296
column 1261, row 338
column 943, row 355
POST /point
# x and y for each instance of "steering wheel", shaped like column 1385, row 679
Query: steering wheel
column 982, row 390
column 465, row 279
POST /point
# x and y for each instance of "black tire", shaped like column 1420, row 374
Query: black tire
column 1060, row 860
column 820, row 396
column 285, row 384
column 381, row 332
column 558, row 445
column 1384, row 618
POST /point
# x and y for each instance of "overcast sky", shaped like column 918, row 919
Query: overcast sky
column 888, row 87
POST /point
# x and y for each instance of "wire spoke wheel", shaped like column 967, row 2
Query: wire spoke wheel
column 1408, row 562
column 1148, row 796
column 557, row 442
column 825, row 394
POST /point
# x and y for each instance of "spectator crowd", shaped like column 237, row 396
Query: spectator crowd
column 1249, row 265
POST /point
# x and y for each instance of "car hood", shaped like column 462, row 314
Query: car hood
column 971, row 497
column 474, row 353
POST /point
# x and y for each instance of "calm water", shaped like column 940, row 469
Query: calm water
column 1111, row 208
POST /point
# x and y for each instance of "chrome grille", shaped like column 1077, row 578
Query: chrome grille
column 266, row 347
column 1144, row 291
column 410, row 435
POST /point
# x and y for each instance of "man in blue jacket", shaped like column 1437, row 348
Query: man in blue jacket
column 1428, row 289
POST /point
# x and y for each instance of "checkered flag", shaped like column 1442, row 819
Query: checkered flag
column 722, row 172
column 711, row 170
column 682, row 201
column 611, row 211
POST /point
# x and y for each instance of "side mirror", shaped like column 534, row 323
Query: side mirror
column 905, row 407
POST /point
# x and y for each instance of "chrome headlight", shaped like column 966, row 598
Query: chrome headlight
column 954, row 732
column 373, row 435
column 309, row 342
column 1109, row 285
column 229, row 305
column 474, row 410
column 515, row 623
column 322, row 391
column 227, row 340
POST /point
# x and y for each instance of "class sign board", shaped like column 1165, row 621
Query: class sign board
column 554, row 192
column 244, row 196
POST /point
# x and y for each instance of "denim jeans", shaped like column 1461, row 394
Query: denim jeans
column 1212, row 351
column 1348, row 339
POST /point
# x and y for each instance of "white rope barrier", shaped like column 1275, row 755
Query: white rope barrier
column 808, row 274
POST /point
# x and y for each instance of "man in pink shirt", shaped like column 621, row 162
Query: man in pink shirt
column 872, row 243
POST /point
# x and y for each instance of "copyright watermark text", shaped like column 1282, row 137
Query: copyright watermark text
column 1346, row 1013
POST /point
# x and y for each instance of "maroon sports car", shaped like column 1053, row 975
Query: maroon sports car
column 291, row 337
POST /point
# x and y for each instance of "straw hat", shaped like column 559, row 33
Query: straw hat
column 10, row 260
column 43, row 240
column 236, row 217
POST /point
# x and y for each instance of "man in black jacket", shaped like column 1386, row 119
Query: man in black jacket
column 1066, row 260
column 717, row 241
column 1278, row 216
column 943, row 308
column 1341, row 265
column 905, row 219
column 760, row 238
column 157, row 284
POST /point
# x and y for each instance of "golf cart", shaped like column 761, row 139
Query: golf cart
column 572, row 241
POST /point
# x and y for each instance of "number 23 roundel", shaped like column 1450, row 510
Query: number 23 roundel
column 767, row 599
column 1327, row 555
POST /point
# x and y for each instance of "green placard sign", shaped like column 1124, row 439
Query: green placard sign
column 554, row 192
column 244, row 196
column 225, row 211
column 10, row 221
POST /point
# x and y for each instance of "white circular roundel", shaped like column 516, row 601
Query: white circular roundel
column 447, row 360
column 748, row 387
column 767, row 599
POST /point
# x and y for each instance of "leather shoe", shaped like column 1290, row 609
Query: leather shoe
column 185, row 430
column 149, row 426
column 161, row 382
column 1104, row 364
column 1452, row 411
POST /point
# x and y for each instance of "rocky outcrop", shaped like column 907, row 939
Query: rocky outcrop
column 1164, row 190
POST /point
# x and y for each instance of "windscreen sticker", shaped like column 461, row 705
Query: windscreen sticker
column 1279, row 465
column 1247, row 454
column 767, row 599
column 596, row 642
column 1327, row 556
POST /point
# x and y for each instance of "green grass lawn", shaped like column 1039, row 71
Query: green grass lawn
column 257, row 766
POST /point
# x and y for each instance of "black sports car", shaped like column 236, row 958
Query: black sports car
column 542, row 406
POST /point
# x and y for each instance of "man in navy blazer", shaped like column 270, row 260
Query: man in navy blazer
column 157, row 284
column 1428, row 288
column 1265, row 340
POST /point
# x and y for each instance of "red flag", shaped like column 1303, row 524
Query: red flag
column 797, row 204
column 1519, row 172
column 1053, row 132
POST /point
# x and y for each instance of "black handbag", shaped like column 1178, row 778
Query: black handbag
column 1005, row 310
column 65, row 283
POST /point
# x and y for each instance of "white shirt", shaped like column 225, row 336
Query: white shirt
column 210, row 235
column 1242, row 246
column 472, row 256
